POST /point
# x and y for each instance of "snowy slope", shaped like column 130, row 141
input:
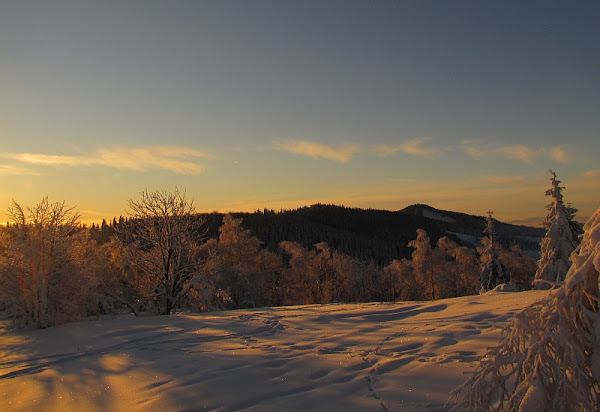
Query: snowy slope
column 368, row 357
column 473, row 240
column 437, row 216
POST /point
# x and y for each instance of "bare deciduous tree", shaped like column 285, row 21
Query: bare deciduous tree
column 164, row 236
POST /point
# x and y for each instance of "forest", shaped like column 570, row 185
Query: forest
column 164, row 258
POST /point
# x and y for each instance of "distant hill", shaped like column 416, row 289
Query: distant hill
column 377, row 235
column 466, row 226
column 371, row 235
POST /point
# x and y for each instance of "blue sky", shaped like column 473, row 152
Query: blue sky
column 252, row 104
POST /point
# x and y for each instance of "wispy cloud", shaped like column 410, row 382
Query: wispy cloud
column 385, row 150
column 559, row 154
column 415, row 147
column 518, row 152
column 474, row 149
column 15, row 171
column 177, row 159
column 592, row 174
column 340, row 154
column 480, row 149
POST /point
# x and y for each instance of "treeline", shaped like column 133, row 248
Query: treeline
column 166, row 258
column 369, row 235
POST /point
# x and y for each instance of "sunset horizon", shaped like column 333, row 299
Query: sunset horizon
column 463, row 106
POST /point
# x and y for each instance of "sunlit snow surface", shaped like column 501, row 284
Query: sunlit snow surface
column 368, row 357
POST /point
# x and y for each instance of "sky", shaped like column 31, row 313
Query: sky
column 245, row 105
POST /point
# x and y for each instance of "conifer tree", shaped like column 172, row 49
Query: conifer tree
column 548, row 358
column 493, row 272
column 562, row 238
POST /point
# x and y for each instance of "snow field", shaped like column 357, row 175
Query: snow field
column 402, row 356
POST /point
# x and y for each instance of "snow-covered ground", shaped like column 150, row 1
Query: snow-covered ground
column 367, row 357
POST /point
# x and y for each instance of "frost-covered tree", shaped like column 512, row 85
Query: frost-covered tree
column 466, row 267
column 455, row 269
column 165, row 235
column 45, row 276
column 493, row 272
column 324, row 275
column 562, row 238
column 439, row 272
column 422, row 264
column 241, row 272
column 399, row 280
column 521, row 266
column 548, row 358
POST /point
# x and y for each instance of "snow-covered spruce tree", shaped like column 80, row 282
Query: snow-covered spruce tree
column 493, row 272
column 562, row 238
column 548, row 358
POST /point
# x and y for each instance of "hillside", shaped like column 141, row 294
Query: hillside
column 469, row 227
column 368, row 357
column 376, row 235
column 370, row 235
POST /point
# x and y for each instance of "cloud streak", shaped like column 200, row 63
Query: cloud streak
column 420, row 147
column 526, row 154
column 559, row 154
column 414, row 147
column 339, row 154
column 15, row 171
column 592, row 174
column 176, row 159
column 518, row 152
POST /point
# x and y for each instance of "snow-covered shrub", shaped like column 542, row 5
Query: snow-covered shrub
column 549, row 355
